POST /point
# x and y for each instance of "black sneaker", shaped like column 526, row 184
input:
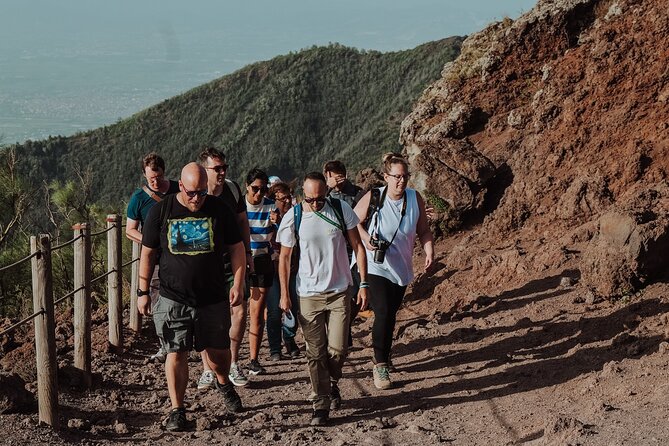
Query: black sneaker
column 292, row 349
column 335, row 397
column 255, row 368
column 320, row 417
column 231, row 399
column 177, row 421
column 275, row 357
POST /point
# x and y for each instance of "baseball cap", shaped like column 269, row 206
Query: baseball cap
column 288, row 320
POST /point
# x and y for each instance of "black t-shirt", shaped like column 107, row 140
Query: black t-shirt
column 237, row 205
column 193, row 245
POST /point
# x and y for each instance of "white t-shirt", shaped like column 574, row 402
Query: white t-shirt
column 324, row 263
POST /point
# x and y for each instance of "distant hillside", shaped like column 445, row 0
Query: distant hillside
column 287, row 115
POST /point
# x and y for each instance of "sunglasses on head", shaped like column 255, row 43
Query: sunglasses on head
column 195, row 193
column 219, row 169
column 314, row 200
column 257, row 189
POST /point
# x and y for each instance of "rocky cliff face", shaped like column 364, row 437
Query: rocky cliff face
column 547, row 138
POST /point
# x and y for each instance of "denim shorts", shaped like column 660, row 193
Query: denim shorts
column 181, row 327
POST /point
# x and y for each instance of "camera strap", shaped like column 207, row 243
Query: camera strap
column 402, row 214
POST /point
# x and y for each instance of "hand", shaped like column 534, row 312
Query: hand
column 144, row 305
column 236, row 295
column 368, row 245
column 429, row 213
column 285, row 303
column 363, row 297
column 429, row 259
column 249, row 263
column 274, row 217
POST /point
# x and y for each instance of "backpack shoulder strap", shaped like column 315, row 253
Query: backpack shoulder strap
column 235, row 189
column 165, row 209
column 151, row 194
column 336, row 207
column 297, row 210
column 375, row 203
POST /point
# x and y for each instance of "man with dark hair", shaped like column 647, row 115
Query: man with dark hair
column 193, row 231
column 319, row 228
column 141, row 201
column 339, row 186
column 218, row 185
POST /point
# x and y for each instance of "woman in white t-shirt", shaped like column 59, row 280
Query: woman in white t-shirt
column 389, row 237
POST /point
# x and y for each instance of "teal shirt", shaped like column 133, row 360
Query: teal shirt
column 141, row 202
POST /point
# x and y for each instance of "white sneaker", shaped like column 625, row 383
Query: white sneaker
column 159, row 356
column 236, row 375
column 206, row 381
column 382, row 376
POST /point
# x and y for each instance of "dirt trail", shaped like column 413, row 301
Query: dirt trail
column 532, row 365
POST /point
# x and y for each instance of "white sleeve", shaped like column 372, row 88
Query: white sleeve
column 286, row 233
column 350, row 217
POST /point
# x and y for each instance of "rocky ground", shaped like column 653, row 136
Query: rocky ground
column 545, row 362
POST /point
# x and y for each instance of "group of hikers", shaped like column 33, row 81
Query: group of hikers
column 213, row 252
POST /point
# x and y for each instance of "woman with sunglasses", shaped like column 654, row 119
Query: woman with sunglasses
column 389, row 235
column 258, row 210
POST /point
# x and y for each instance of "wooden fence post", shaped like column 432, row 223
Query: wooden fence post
column 135, row 317
column 45, row 331
column 114, row 283
column 82, row 301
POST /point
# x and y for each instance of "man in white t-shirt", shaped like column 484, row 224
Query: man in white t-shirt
column 323, row 283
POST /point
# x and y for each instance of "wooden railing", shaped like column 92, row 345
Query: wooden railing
column 44, row 304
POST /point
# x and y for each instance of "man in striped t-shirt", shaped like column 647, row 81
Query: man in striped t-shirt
column 258, row 211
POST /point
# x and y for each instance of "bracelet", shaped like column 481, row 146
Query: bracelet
column 363, row 285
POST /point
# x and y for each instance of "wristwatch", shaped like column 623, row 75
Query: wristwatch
column 142, row 293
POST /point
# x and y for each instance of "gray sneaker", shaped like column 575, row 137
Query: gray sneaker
column 382, row 376
column 206, row 381
column 236, row 375
column 159, row 356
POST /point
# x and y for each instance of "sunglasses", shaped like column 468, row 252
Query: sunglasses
column 285, row 198
column 195, row 193
column 256, row 189
column 400, row 177
column 314, row 200
column 219, row 169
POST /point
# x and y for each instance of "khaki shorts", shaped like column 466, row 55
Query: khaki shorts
column 181, row 327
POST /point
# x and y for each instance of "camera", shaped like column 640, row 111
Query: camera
column 380, row 247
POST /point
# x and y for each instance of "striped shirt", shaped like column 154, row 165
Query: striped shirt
column 260, row 225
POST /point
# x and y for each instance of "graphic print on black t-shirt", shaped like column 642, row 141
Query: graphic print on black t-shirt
column 190, row 236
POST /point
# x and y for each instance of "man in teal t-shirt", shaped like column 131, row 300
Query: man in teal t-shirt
column 142, row 200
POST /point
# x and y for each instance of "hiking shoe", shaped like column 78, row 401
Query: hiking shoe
column 159, row 356
column 236, row 375
column 292, row 348
column 319, row 417
column 206, row 381
column 231, row 399
column 177, row 421
column 335, row 397
column 275, row 357
column 255, row 368
column 381, row 376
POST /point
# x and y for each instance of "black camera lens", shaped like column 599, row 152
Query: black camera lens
column 379, row 255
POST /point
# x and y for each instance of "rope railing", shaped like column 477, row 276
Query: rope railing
column 21, row 322
column 102, row 276
column 67, row 243
column 130, row 262
column 28, row 257
column 68, row 295
column 103, row 231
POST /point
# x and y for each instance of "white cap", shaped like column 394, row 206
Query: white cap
column 274, row 179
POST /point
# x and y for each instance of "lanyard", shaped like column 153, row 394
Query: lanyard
column 325, row 218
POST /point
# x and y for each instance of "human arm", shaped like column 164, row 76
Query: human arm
column 132, row 230
column 361, row 261
column 361, row 211
column 147, row 262
column 285, row 255
column 238, row 262
column 424, row 233
column 243, row 223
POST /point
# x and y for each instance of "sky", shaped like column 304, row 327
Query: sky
column 73, row 65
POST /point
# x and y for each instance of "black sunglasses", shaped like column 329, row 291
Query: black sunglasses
column 196, row 193
column 314, row 199
column 257, row 189
column 219, row 169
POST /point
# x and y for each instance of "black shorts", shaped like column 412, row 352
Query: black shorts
column 263, row 276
